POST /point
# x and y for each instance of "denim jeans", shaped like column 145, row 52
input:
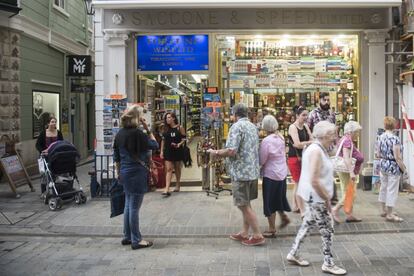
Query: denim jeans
column 131, row 217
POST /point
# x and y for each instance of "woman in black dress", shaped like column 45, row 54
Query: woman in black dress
column 172, row 150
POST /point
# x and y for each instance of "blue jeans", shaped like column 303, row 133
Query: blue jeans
column 131, row 217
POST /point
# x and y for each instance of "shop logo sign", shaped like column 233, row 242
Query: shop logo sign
column 79, row 66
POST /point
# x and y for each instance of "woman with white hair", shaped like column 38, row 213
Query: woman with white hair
column 348, row 150
column 316, row 189
column 272, row 158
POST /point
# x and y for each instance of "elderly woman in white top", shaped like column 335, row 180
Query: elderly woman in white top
column 316, row 189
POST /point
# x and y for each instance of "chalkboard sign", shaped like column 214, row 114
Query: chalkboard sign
column 15, row 172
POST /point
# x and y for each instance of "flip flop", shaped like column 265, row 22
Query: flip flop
column 176, row 191
column 166, row 194
column 269, row 234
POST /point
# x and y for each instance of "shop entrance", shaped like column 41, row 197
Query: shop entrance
column 181, row 94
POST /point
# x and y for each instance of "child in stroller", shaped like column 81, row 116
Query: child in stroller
column 59, row 163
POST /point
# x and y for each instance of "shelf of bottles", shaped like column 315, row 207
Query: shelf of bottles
column 275, row 75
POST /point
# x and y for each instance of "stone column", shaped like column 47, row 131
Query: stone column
column 377, row 88
column 115, row 57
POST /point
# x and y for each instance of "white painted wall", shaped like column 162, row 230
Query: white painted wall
column 408, row 95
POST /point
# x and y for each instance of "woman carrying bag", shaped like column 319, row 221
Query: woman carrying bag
column 47, row 137
column 172, row 150
column 348, row 151
column 130, row 148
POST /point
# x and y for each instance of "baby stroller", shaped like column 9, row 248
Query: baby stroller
column 60, row 174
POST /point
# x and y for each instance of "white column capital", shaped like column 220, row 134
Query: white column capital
column 116, row 37
column 376, row 37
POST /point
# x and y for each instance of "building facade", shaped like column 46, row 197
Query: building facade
column 119, row 23
column 35, row 45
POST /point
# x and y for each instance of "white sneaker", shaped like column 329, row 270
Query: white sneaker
column 296, row 260
column 335, row 270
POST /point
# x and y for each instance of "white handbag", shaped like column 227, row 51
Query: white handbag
column 339, row 162
column 41, row 165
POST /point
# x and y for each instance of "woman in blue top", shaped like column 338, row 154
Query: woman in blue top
column 392, row 166
column 130, row 146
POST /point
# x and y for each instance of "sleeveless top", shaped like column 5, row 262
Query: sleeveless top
column 326, row 174
column 172, row 135
column 50, row 140
column 303, row 137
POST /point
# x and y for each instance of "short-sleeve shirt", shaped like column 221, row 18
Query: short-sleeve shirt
column 244, row 139
column 388, row 164
column 273, row 157
column 355, row 153
column 317, row 115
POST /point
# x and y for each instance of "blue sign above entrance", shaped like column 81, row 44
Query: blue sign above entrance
column 172, row 53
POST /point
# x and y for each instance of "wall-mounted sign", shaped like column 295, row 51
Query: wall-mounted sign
column 81, row 87
column 80, row 66
column 172, row 53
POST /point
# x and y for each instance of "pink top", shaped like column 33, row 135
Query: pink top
column 273, row 157
column 355, row 153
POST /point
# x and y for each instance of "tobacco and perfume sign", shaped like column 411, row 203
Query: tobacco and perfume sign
column 172, row 53
column 79, row 66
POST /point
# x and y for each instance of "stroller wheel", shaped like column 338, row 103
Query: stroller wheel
column 83, row 197
column 59, row 203
column 53, row 204
column 78, row 199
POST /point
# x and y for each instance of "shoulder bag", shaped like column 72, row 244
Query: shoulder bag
column 339, row 161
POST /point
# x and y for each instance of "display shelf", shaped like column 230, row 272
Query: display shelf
column 163, row 84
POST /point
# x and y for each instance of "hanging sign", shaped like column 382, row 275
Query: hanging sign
column 172, row 53
column 79, row 66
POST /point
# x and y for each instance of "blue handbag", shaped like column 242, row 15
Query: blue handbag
column 117, row 198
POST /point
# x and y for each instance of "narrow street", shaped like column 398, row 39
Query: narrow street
column 378, row 254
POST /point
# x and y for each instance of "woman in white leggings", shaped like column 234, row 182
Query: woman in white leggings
column 316, row 189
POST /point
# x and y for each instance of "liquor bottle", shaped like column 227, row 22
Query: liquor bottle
column 248, row 49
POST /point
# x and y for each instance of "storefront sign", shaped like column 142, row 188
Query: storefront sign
column 77, row 87
column 172, row 53
column 79, row 66
column 208, row 19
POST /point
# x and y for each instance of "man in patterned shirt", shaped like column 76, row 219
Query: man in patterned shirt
column 322, row 112
column 242, row 152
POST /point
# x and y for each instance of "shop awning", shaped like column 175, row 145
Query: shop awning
column 10, row 6
column 125, row 4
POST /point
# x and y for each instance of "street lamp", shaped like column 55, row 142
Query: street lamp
column 88, row 7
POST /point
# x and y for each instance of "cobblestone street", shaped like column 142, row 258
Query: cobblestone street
column 190, row 233
column 379, row 254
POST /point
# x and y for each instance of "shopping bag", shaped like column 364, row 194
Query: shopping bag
column 349, row 197
column 41, row 165
column 117, row 198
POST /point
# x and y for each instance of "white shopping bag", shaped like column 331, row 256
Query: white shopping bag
column 41, row 165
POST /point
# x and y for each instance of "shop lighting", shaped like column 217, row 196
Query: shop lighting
column 89, row 7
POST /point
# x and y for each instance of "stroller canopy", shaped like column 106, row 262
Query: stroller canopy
column 62, row 157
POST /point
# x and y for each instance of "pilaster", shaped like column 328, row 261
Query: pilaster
column 376, row 87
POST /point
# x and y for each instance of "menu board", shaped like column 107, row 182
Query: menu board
column 15, row 172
